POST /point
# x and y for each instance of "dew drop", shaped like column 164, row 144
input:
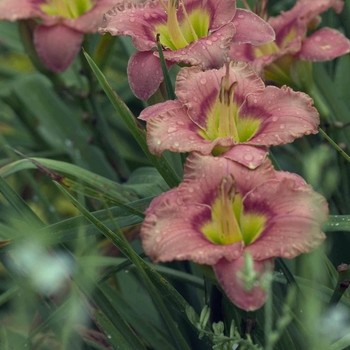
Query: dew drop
column 132, row 19
column 180, row 122
column 248, row 157
column 176, row 144
column 203, row 81
column 274, row 119
column 171, row 129
column 241, row 16
column 282, row 126
column 209, row 42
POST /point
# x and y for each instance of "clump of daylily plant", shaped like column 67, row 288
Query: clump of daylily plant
column 223, row 211
column 279, row 61
column 194, row 32
column 227, row 111
column 61, row 25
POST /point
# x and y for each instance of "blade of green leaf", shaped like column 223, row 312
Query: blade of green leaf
column 337, row 223
column 20, row 206
column 78, row 179
column 129, row 119
column 147, row 330
column 169, row 87
column 143, row 268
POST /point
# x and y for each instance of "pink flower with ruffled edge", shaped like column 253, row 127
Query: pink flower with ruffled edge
column 223, row 210
column 194, row 32
column 230, row 112
column 273, row 59
column 59, row 35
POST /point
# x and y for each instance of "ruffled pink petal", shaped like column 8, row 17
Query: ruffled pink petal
column 324, row 45
column 251, row 29
column 91, row 20
column 227, row 274
column 175, row 131
column 203, row 176
column 145, row 74
column 298, row 180
column 135, row 20
column 57, row 46
column 171, row 231
column 246, row 53
column 222, row 12
column 207, row 52
column 243, row 52
column 159, row 108
column 298, row 18
column 199, row 90
column 249, row 156
column 295, row 216
column 12, row 10
column 286, row 115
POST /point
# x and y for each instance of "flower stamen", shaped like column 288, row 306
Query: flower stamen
column 194, row 34
column 228, row 118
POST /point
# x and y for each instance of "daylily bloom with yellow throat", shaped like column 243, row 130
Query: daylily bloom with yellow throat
column 61, row 27
column 222, row 211
column 228, row 111
column 274, row 60
column 193, row 32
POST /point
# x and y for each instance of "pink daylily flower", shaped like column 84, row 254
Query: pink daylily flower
column 63, row 23
column 194, row 32
column 228, row 110
column 273, row 60
column 223, row 210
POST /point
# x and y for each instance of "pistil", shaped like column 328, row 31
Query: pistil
column 175, row 32
column 228, row 225
column 227, row 119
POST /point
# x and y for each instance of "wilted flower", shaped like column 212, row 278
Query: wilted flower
column 274, row 60
column 194, row 32
column 61, row 27
column 219, row 109
column 224, row 211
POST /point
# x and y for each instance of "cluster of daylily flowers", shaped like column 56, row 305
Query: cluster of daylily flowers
column 233, row 208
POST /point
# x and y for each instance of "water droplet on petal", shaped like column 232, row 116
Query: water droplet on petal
column 171, row 129
column 240, row 16
column 282, row 126
column 248, row 157
column 180, row 122
column 274, row 119
column 203, row 81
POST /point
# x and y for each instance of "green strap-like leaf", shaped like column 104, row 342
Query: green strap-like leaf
column 20, row 206
column 129, row 119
